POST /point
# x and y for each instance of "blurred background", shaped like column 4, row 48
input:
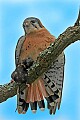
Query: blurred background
column 56, row 16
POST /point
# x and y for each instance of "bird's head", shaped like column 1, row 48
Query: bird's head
column 32, row 24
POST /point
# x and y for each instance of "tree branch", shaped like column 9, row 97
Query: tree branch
column 44, row 60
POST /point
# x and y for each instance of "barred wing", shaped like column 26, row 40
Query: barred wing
column 53, row 80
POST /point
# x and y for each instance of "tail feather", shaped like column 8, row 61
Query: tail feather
column 53, row 109
column 28, row 95
column 36, row 96
column 22, row 106
column 48, row 105
column 42, row 88
column 59, row 103
column 19, row 101
column 49, row 83
column 33, row 103
column 35, row 92
column 52, row 98
column 52, row 95
column 41, row 105
column 33, row 106
column 48, row 89
column 38, row 92
column 32, row 93
column 25, row 107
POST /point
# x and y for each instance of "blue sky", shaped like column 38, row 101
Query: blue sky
column 56, row 16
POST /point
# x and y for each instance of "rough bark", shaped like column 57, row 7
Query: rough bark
column 44, row 60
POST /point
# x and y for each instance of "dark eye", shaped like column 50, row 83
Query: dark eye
column 32, row 21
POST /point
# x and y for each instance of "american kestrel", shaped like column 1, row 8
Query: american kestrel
column 48, row 86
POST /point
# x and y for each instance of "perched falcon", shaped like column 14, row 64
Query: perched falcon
column 48, row 86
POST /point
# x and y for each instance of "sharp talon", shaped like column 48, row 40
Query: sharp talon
column 28, row 85
column 12, row 81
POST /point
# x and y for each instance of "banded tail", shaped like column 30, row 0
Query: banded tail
column 48, row 87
